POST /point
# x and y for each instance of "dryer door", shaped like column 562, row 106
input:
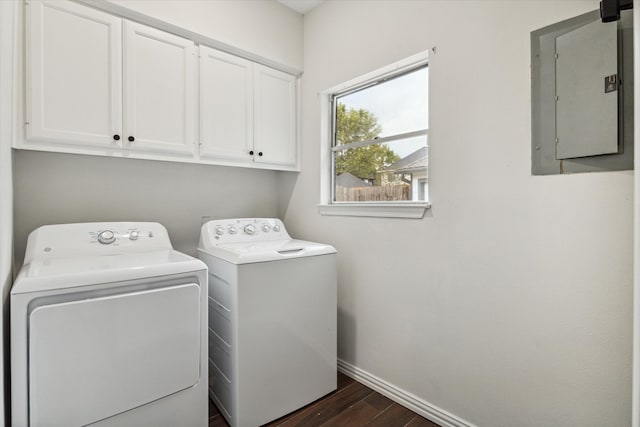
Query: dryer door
column 94, row 358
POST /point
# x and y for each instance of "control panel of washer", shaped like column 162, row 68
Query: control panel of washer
column 225, row 231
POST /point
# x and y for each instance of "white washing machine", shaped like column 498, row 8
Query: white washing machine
column 108, row 328
column 272, row 319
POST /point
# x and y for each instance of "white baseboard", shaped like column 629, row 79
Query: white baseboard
column 402, row 397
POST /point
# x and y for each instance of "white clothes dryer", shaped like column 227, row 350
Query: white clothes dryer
column 108, row 328
column 272, row 319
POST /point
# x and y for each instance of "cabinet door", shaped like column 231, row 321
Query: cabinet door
column 275, row 118
column 226, row 107
column 159, row 98
column 74, row 75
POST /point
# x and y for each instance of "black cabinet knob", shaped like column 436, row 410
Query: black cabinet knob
column 251, row 153
column 131, row 139
column 116, row 137
column 260, row 154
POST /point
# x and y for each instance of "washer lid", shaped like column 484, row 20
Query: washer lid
column 44, row 274
column 270, row 250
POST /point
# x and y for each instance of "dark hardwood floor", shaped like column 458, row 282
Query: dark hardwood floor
column 352, row 404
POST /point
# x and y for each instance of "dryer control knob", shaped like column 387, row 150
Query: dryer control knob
column 233, row 230
column 266, row 228
column 249, row 229
column 276, row 228
column 219, row 231
column 134, row 235
column 106, row 237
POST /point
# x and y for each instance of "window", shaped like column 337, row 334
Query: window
column 378, row 141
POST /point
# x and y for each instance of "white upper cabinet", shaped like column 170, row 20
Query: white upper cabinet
column 88, row 87
column 100, row 84
column 159, row 97
column 274, row 104
column 247, row 112
column 74, row 75
column 226, row 107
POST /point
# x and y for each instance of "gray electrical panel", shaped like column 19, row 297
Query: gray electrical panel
column 582, row 95
column 586, row 113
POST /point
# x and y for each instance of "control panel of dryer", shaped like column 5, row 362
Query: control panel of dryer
column 242, row 230
column 122, row 235
column 102, row 238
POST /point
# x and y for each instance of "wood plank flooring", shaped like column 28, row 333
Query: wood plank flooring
column 352, row 404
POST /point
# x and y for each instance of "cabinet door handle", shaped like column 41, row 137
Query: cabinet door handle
column 251, row 153
column 260, row 154
column 116, row 137
column 131, row 139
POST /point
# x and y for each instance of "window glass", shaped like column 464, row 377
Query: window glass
column 380, row 135
column 398, row 104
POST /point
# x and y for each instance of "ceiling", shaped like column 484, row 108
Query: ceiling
column 301, row 6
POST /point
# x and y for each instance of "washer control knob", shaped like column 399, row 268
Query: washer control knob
column 219, row 230
column 233, row 229
column 266, row 228
column 276, row 228
column 134, row 235
column 106, row 237
column 249, row 229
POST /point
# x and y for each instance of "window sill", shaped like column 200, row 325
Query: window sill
column 376, row 210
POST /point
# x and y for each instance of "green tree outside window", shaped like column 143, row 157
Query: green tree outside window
column 356, row 125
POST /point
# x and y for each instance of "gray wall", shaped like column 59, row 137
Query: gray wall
column 510, row 303
column 636, row 258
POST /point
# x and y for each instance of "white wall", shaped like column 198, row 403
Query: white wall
column 510, row 303
column 58, row 188
column 265, row 28
column 6, row 198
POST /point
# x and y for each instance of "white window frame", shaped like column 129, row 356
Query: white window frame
column 327, row 206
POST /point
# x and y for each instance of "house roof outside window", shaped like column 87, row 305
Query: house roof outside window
column 418, row 160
